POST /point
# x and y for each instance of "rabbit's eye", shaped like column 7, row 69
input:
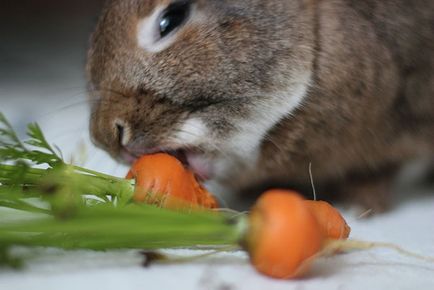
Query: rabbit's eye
column 174, row 16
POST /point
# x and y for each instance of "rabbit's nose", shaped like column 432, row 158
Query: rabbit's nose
column 123, row 132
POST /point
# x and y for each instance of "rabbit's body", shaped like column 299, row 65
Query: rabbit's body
column 250, row 92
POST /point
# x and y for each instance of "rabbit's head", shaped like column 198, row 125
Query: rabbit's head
column 204, row 80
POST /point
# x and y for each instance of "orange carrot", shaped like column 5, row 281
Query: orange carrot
column 162, row 179
column 283, row 236
column 329, row 219
column 286, row 233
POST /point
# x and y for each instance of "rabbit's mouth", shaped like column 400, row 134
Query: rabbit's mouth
column 191, row 158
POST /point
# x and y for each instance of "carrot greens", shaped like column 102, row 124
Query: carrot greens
column 47, row 202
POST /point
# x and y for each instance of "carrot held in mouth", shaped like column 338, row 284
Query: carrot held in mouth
column 163, row 180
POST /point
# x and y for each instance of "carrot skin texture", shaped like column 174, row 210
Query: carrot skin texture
column 162, row 179
column 283, row 236
column 329, row 219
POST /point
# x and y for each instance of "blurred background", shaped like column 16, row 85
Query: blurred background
column 42, row 57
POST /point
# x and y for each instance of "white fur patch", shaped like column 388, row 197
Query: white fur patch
column 191, row 132
column 265, row 116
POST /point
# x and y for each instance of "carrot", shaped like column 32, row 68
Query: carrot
column 286, row 233
column 330, row 220
column 283, row 235
column 162, row 179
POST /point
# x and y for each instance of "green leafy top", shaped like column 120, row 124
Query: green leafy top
column 19, row 174
column 12, row 149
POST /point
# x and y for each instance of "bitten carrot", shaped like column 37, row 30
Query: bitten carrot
column 162, row 179
column 286, row 233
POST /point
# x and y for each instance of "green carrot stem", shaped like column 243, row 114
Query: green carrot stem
column 103, row 227
column 96, row 173
column 5, row 168
column 96, row 184
column 31, row 176
column 20, row 205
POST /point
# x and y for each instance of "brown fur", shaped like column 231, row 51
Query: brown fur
column 369, row 107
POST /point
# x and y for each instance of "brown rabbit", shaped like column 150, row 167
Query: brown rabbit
column 248, row 93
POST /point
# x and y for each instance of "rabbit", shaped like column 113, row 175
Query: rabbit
column 249, row 94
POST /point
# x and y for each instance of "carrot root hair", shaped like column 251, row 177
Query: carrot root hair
column 333, row 246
